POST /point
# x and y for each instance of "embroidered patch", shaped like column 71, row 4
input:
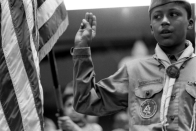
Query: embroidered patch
column 148, row 108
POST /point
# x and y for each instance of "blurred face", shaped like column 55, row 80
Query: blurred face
column 69, row 111
column 169, row 25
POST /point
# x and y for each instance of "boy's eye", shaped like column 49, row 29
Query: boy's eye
column 173, row 14
column 157, row 16
column 70, row 104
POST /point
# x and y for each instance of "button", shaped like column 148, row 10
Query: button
column 172, row 57
column 183, row 65
column 172, row 118
column 173, row 96
column 147, row 93
column 21, row 8
column 161, row 67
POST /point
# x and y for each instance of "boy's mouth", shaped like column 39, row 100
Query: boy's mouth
column 165, row 33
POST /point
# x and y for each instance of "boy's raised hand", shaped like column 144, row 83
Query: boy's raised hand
column 87, row 31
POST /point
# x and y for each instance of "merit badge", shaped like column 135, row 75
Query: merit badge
column 148, row 108
column 173, row 71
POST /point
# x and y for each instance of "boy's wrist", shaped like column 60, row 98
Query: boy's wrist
column 86, row 51
column 81, row 44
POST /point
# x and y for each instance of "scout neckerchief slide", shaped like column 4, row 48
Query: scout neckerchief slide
column 171, row 74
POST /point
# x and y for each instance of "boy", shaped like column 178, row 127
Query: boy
column 74, row 121
column 159, row 92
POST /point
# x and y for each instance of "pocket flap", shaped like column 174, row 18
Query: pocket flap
column 191, row 89
column 148, row 91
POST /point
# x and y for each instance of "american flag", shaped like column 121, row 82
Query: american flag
column 29, row 30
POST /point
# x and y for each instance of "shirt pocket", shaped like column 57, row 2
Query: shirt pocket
column 147, row 103
column 188, row 97
column 148, row 91
column 187, row 101
column 191, row 89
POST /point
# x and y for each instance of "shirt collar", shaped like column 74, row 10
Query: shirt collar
column 175, row 57
column 187, row 52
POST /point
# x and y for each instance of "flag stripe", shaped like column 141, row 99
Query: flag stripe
column 46, row 10
column 7, row 93
column 3, row 123
column 28, row 83
column 35, row 45
column 35, row 31
column 45, row 32
column 49, row 45
column 8, row 99
column 29, row 6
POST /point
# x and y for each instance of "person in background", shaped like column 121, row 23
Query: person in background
column 159, row 92
column 74, row 121
column 121, row 121
column 138, row 51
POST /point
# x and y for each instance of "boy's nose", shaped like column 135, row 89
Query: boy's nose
column 72, row 109
column 165, row 21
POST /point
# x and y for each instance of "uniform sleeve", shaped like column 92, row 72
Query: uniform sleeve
column 103, row 98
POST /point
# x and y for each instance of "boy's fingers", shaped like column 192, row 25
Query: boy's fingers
column 94, row 23
column 86, row 16
column 86, row 24
column 57, row 114
column 63, row 118
column 59, row 122
column 82, row 26
column 90, row 20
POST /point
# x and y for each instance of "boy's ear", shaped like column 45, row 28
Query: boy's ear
column 191, row 24
column 152, row 32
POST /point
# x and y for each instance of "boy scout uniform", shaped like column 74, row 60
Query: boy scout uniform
column 140, row 87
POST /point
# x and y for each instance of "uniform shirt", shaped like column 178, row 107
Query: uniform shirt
column 137, row 87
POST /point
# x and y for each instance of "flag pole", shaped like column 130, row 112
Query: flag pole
column 57, row 87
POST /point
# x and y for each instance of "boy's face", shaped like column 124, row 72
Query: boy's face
column 69, row 110
column 169, row 24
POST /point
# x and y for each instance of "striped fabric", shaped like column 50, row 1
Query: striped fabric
column 29, row 30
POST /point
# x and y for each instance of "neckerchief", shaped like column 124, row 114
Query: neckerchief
column 172, row 72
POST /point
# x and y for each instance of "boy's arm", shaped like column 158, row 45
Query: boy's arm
column 103, row 98
column 106, row 97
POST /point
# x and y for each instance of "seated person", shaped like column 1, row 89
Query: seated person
column 121, row 121
column 74, row 121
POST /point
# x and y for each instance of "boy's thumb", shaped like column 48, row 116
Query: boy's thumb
column 57, row 115
column 86, row 24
